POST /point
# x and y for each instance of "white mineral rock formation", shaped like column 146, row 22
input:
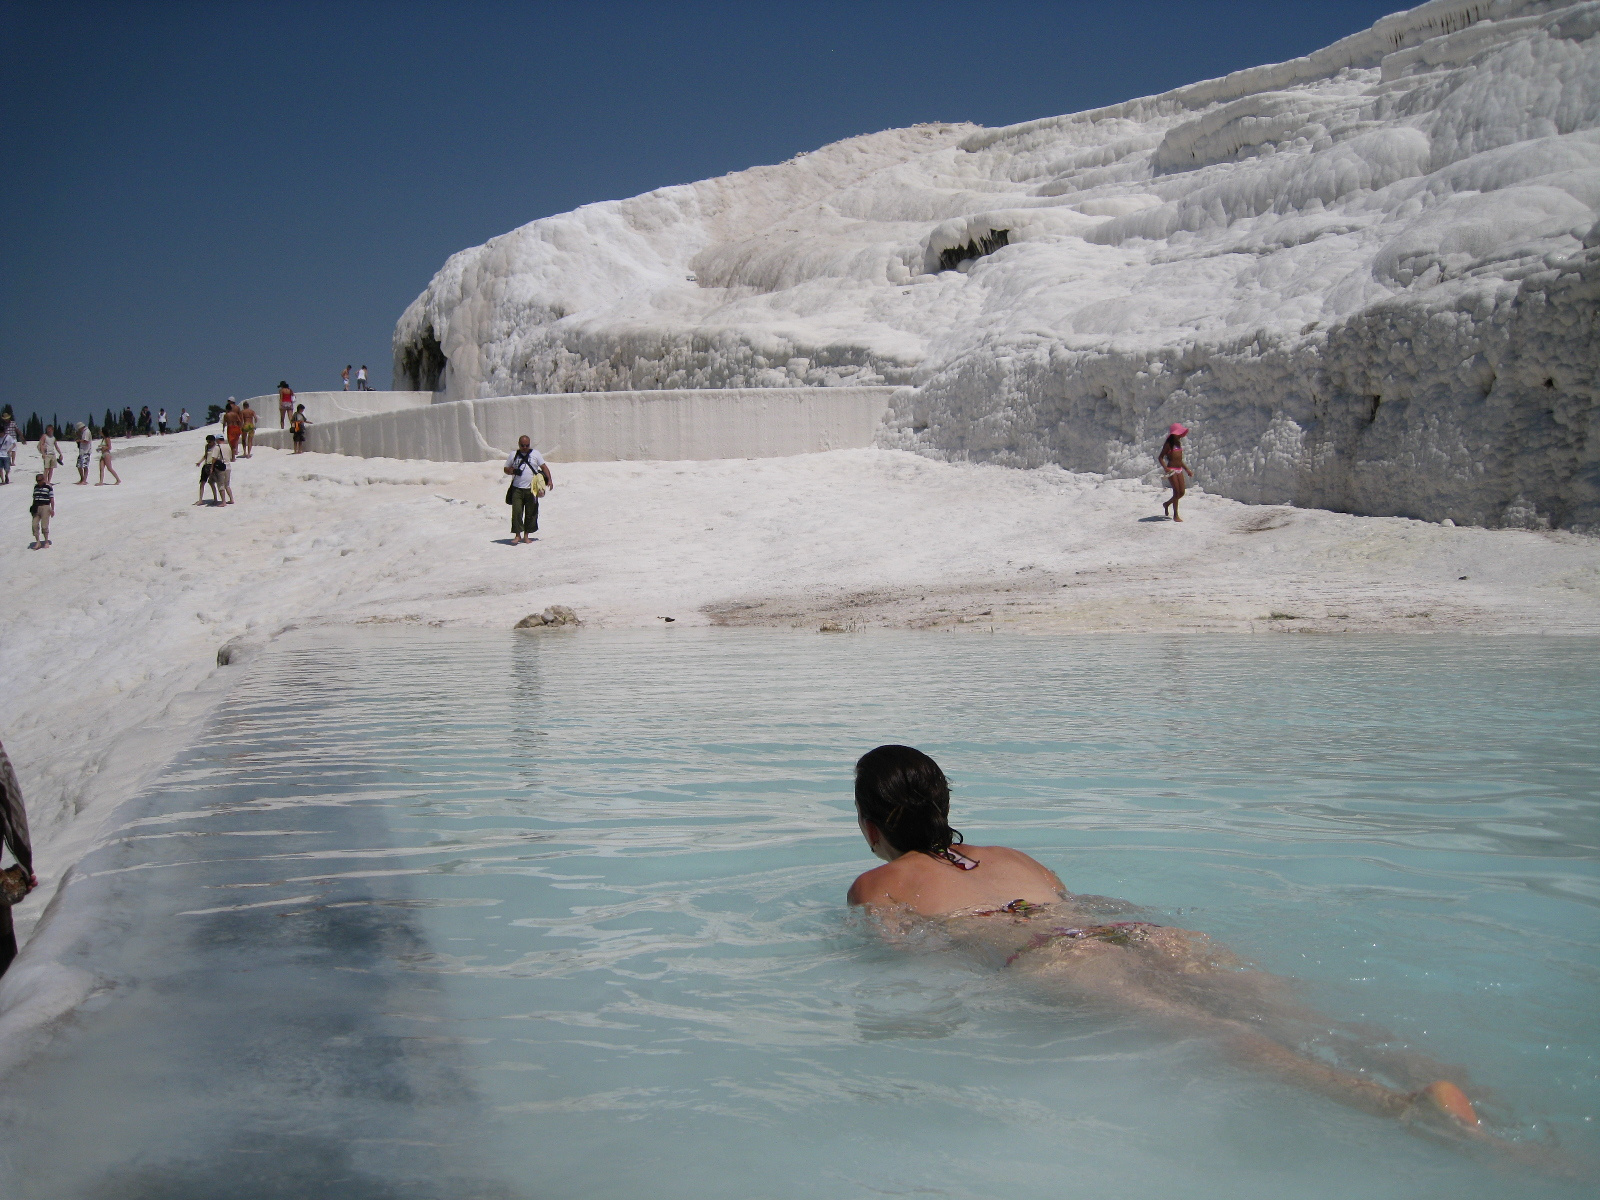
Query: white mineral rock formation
column 1369, row 279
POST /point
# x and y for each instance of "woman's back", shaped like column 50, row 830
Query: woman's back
column 934, row 886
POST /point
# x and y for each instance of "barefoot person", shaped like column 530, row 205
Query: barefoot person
column 85, row 448
column 248, row 416
column 233, row 427
column 221, row 479
column 105, row 461
column 285, row 403
column 209, row 460
column 530, row 476
column 1008, row 908
column 49, row 455
column 297, row 428
column 8, row 449
column 42, row 509
column 1171, row 460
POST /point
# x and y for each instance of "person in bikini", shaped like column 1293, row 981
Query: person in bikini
column 105, row 460
column 285, row 403
column 248, row 416
column 233, row 426
column 1173, row 468
column 1010, row 909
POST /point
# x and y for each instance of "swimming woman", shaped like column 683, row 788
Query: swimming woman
column 1173, row 468
column 1012, row 910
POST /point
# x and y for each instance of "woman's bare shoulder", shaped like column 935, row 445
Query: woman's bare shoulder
column 871, row 887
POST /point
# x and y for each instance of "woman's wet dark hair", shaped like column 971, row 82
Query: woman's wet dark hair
column 904, row 793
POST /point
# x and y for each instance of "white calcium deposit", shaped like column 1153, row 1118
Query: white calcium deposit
column 1368, row 279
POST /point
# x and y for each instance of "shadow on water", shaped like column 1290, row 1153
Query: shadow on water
column 245, row 1045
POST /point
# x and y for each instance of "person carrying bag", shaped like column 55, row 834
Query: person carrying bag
column 530, row 479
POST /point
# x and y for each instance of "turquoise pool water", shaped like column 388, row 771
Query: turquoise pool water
column 561, row 915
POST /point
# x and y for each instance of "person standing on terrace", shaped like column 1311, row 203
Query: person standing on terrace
column 42, row 509
column 85, row 446
column 8, row 449
column 530, row 475
column 233, row 427
column 105, row 460
column 285, row 403
column 248, row 415
column 297, row 428
column 1172, row 466
column 49, row 455
column 361, row 379
column 345, row 376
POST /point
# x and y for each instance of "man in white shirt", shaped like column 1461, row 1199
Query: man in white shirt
column 530, row 475
column 85, row 444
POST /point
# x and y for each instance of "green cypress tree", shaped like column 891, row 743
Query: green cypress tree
column 110, row 427
column 34, row 429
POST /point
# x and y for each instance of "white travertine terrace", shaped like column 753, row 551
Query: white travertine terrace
column 611, row 426
column 1369, row 279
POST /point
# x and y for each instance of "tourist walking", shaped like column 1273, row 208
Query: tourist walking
column 345, row 376
column 127, row 422
column 144, row 420
column 161, row 422
column 105, row 460
column 183, row 421
column 85, row 446
column 1172, row 465
column 221, row 479
column 42, row 509
column 248, row 415
column 361, row 379
column 530, row 477
column 209, row 461
column 285, row 403
column 49, row 456
column 14, row 833
column 8, row 449
column 297, row 428
column 233, row 427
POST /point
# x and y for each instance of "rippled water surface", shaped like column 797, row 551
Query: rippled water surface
column 560, row 915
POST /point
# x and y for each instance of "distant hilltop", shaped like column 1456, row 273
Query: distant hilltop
column 1368, row 279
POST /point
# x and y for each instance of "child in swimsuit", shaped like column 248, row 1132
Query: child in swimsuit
column 1009, row 906
column 1173, row 468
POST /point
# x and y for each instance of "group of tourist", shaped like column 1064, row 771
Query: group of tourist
column 293, row 415
column 43, row 505
column 361, row 378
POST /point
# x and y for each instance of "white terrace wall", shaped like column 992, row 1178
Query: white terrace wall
column 604, row 426
column 324, row 407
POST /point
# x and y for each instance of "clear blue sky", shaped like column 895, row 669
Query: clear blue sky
column 204, row 198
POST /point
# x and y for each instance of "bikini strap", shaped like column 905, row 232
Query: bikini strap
column 954, row 857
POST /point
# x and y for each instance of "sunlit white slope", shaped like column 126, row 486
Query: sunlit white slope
column 1368, row 278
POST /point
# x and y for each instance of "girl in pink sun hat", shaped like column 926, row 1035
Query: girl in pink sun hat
column 1172, row 466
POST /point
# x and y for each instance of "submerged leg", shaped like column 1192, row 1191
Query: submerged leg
column 1117, row 976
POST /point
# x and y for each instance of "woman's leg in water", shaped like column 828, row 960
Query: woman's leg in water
column 1132, row 978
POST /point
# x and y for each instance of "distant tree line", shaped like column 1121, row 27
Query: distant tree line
column 126, row 425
